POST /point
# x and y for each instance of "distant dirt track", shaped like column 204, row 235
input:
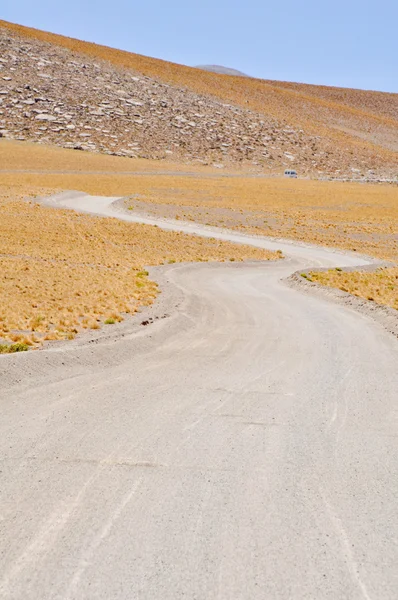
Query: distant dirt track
column 242, row 448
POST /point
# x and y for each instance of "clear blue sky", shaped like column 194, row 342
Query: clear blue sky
column 352, row 43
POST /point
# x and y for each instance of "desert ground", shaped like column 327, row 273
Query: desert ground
column 351, row 216
column 199, row 356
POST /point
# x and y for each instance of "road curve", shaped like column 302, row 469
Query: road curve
column 308, row 255
column 245, row 448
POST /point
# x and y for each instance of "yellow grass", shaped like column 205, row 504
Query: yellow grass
column 380, row 286
column 30, row 156
column 61, row 272
column 346, row 215
column 350, row 216
column 363, row 218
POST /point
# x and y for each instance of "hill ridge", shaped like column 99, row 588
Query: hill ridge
column 248, row 122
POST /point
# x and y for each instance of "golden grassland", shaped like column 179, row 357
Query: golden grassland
column 61, row 272
column 351, row 216
column 356, row 217
column 319, row 109
column 31, row 156
column 380, row 286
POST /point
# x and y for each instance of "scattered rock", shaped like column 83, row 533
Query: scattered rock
column 45, row 117
column 126, row 114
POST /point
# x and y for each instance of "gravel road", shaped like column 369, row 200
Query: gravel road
column 243, row 448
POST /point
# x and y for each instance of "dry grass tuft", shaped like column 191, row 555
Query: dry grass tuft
column 13, row 348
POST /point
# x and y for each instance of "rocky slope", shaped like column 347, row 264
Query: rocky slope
column 51, row 93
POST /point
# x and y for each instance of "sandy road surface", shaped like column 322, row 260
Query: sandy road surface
column 245, row 448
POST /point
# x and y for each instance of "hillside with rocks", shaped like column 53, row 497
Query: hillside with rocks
column 75, row 95
column 51, row 95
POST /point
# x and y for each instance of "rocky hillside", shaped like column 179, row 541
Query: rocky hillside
column 74, row 94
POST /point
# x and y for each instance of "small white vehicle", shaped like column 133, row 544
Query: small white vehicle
column 291, row 173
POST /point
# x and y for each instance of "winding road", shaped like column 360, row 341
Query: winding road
column 244, row 448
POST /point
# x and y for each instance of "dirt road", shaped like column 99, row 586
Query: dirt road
column 243, row 448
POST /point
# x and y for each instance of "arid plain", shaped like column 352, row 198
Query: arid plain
column 87, row 292
column 62, row 272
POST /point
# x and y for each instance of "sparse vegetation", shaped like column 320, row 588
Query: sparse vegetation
column 345, row 215
column 380, row 286
column 12, row 348
column 62, row 272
